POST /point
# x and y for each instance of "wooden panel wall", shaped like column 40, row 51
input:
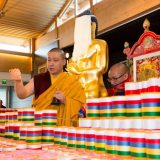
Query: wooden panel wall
column 111, row 13
column 46, row 40
column 8, row 61
column 66, row 33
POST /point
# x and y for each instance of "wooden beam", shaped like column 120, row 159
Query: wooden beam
column 15, row 53
column 91, row 6
column 67, row 3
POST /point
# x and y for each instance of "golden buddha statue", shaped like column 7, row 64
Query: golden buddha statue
column 90, row 66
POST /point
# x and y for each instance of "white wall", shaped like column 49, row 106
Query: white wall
column 5, row 75
column 19, row 103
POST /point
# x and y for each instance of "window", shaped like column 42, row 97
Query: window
column 3, row 94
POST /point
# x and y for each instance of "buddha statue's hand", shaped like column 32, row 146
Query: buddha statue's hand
column 72, row 67
column 15, row 74
column 73, row 70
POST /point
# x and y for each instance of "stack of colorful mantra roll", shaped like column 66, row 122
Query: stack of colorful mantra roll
column 11, row 145
column 2, row 130
column 8, row 130
column 27, row 115
column 114, row 106
column 71, row 137
column 64, row 135
column 121, row 122
column 80, row 139
column 34, row 135
column 49, row 118
column 118, row 106
column 150, row 104
column 146, row 104
column 2, row 118
column 152, row 85
column 124, row 144
column 57, row 135
column 47, row 135
column 38, row 118
column 20, row 114
column 11, row 116
column 16, row 130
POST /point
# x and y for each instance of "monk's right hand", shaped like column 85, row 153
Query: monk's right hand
column 15, row 74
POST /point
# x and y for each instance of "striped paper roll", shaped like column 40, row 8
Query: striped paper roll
column 95, row 123
column 57, row 135
column 115, row 123
column 100, row 140
column 2, row 118
column 123, row 143
column 111, row 141
column 49, row 118
column 125, row 123
column 144, row 88
column 118, row 106
column 80, row 140
column 153, row 85
column 105, row 122
column 16, row 130
column 47, row 135
column 23, row 132
column 28, row 115
column 34, row 134
column 71, row 137
column 2, row 110
column 8, row 130
column 153, row 144
column 133, row 106
column 11, row 116
column 92, row 107
column 105, row 107
column 64, row 138
column 85, row 122
column 20, row 114
column 21, row 144
column 151, row 123
column 2, row 130
column 132, row 88
column 138, row 144
column 89, row 137
column 136, row 123
column 150, row 104
column 38, row 118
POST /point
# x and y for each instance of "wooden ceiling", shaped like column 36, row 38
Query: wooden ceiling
column 29, row 18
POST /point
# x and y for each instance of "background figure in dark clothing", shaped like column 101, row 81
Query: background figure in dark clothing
column 1, row 104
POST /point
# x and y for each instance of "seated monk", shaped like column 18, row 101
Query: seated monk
column 118, row 75
column 92, row 64
column 53, row 84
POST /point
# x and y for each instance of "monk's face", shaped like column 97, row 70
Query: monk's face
column 116, row 76
column 55, row 63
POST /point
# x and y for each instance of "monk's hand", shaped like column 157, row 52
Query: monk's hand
column 60, row 96
column 15, row 74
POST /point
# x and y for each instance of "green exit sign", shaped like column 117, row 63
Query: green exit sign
column 4, row 81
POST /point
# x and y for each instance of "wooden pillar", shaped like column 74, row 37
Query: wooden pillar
column 91, row 6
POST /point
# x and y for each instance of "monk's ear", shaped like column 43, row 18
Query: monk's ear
column 125, row 76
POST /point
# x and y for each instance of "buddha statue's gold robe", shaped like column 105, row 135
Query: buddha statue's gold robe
column 90, row 67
